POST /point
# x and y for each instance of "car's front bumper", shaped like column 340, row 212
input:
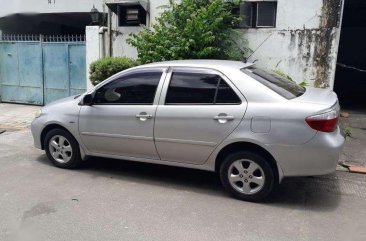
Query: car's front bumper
column 36, row 129
column 318, row 156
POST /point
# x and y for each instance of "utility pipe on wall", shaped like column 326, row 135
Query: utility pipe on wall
column 109, row 32
column 102, row 42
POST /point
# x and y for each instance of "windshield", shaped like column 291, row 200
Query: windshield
column 281, row 85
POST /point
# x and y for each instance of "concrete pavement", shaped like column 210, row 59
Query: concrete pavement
column 119, row 200
column 14, row 116
column 354, row 151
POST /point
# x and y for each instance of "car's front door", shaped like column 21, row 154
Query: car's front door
column 198, row 109
column 121, row 119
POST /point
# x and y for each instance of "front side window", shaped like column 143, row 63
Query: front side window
column 133, row 89
column 199, row 88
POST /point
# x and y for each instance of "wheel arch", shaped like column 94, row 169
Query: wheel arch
column 248, row 146
column 50, row 127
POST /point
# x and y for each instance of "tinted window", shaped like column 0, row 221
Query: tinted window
column 133, row 15
column 256, row 14
column 283, row 86
column 139, row 88
column 192, row 88
column 225, row 95
column 266, row 14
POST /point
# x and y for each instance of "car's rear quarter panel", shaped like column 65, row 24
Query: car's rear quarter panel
column 297, row 148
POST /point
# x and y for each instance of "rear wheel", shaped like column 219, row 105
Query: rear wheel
column 62, row 149
column 247, row 176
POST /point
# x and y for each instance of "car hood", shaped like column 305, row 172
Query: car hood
column 64, row 102
column 325, row 97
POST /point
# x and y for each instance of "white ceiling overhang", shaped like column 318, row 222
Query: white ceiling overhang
column 112, row 4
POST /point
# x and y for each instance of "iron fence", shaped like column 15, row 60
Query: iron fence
column 42, row 38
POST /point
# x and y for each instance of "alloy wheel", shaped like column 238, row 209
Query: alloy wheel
column 60, row 149
column 246, row 176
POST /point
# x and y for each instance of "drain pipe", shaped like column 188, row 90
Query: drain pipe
column 102, row 41
column 109, row 32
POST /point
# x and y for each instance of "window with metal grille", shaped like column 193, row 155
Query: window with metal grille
column 131, row 15
column 257, row 14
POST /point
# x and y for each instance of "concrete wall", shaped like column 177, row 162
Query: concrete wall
column 303, row 44
column 120, row 34
column 93, row 49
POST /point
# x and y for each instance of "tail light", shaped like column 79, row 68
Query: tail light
column 325, row 122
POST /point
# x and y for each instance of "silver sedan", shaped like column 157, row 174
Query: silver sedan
column 251, row 126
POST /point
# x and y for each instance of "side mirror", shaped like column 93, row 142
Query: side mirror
column 87, row 100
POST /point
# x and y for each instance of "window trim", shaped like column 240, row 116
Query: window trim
column 198, row 70
column 131, row 72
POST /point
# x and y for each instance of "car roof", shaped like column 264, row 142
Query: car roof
column 203, row 63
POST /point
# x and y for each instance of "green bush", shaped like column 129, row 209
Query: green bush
column 191, row 29
column 106, row 67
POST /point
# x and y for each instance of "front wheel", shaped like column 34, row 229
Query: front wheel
column 62, row 149
column 247, row 176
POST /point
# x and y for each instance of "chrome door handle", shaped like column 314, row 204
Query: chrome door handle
column 143, row 116
column 223, row 118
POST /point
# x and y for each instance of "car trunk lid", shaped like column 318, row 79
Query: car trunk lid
column 325, row 97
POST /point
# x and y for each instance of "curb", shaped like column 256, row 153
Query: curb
column 351, row 168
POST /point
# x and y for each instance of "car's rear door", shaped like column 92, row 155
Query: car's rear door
column 198, row 109
column 121, row 119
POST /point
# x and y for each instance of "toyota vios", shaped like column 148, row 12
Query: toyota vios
column 251, row 126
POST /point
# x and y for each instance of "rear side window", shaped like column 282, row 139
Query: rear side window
column 226, row 95
column 192, row 88
column 282, row 86
column 199, row 88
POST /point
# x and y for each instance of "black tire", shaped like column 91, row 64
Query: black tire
column 263, row 190
column 74, row 156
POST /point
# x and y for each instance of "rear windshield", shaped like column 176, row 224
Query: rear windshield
column 281, row 85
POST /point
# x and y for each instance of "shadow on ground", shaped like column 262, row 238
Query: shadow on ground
column 310, row 193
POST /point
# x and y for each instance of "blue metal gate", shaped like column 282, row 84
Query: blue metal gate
column 40, row 69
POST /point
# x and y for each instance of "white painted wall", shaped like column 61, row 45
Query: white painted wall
column 8, row 7
column 93, row 52
column 291, row 47
column 296, row 14
column 120, row 47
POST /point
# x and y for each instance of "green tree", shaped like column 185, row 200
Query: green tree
column 191, row 29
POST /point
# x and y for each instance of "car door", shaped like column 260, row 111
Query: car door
column 198, row 109
column 121, row 119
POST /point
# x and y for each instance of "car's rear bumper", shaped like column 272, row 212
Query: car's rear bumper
column 317, row 157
